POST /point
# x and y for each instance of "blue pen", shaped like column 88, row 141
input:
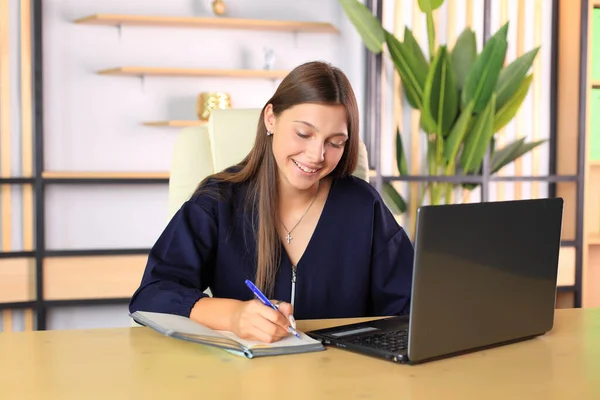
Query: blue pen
column 266, row 302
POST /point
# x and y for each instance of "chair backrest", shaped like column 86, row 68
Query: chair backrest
column 224, row 141
column 231, row 133
column 190, row 163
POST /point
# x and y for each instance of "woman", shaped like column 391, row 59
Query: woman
column 289, row 217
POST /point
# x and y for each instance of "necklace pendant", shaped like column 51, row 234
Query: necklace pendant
column 288, row 238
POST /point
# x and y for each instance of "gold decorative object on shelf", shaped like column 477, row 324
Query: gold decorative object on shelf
column 208, row 101
column 218, row 7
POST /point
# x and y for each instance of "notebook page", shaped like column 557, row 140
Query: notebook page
column 288, row 341
column 169, row 324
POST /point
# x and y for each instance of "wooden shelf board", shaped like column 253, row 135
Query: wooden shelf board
column 596, row 4
column 594, row 239
column 596, row 84
column 176, row 123
column 208, row 22
column 103, row 175
column 92, row 277
column 200, row 72
column 595, row 163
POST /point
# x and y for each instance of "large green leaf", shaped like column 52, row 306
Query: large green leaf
column 367, row 25
column 400, row 156
column 428, row 6
column 478, row 140
column 502, row 32
column 440, row 100
column 479, row 172
column 463, row 55
column 511, row 76
column 500, row 157
column 420, row 64
column 413, row 47
column 511, row 107
column 431, row 153
column 483, row 74
column 511, row 152
column 393, row 199
column 456, row 136
column 426, row 120
column 411, row 73
column 427, row 123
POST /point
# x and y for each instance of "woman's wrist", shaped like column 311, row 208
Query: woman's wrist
column 214, row 313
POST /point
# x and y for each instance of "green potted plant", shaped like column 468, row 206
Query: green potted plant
column 464, row 97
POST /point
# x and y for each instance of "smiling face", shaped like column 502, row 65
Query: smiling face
column 308, row 141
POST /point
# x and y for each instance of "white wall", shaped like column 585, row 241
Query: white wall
column 94, row 122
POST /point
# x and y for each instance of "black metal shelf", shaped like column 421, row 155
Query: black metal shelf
column 38, row 123
column 478, row 179
column 566, row 289
column 17, row 254
column 41, row 180
column 17, row 181
column 95, row 252
column 89, row 181
column 37, row 306
column 87, row 302
column 17, row 305
column 103, row 181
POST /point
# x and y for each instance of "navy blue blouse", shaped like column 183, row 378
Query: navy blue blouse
column 358, row 262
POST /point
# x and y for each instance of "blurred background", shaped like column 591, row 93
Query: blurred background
column 94, row 95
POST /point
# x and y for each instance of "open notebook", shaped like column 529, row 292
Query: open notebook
column 184, row 328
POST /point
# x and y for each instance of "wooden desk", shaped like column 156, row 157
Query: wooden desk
column 137, row 363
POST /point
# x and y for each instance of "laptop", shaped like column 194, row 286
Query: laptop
column 485, row 275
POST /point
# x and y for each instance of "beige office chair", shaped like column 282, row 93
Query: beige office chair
column 224, row 141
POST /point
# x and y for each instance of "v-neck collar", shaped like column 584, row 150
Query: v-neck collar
column 315, row 232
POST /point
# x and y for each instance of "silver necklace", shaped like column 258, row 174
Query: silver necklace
column 289, row 237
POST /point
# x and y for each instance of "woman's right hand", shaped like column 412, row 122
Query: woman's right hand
column 253, row 320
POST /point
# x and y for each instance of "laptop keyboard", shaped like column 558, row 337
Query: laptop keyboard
column 392, row 341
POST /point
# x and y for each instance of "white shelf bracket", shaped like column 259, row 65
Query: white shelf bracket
column 143, row 82
column 120, row 31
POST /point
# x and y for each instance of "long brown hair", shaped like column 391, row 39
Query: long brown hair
column 312, row 82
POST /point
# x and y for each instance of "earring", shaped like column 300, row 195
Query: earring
column 269, row 133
